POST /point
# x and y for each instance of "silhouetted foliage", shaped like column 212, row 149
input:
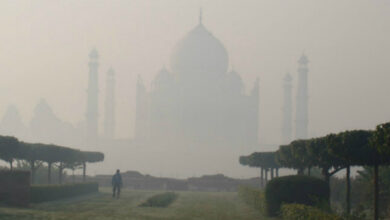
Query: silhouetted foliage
column 36, row 153
column 43, row 193
column 295, row 155
column 380, row 141
column 295, row 189
column 8, row 149
column 352, row 147
column 265, row 160
column 160, row 200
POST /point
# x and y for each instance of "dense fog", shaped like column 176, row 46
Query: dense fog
column 183, row 88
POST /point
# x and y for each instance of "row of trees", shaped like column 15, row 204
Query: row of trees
column 12, row 149
column 333, row 153
column 265, row 161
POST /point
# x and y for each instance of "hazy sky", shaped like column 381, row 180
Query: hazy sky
column 44, row 48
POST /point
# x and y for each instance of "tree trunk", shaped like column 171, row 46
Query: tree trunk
column 348, row 195
column 73, row 177
column 10, row 165
column 49, row 172
column 309, row 171
column 272, row 173
column 32, row 165
column 327, row 179
column 266, row 176
column 300, row 171
column 325, row 173
column 60, row 169
column 84, row 170
column 376, row 193
column 261, row 177
column 277, row 172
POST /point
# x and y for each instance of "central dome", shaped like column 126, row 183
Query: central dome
column 199, row 52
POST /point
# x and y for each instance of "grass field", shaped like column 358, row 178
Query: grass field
column 189, row 205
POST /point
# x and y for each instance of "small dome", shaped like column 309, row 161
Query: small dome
column 199, row 52
column 163, row 78
column 235, row 81
column 93, row 54
column 303, row 60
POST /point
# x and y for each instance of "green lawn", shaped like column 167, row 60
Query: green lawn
column 189, row 205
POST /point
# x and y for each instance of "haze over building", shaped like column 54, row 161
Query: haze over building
column 287, row 110
column 302, row 105
column 92, row 112
column 109, row 105
column 45, row 54
column 195, row 109
column 198, row 100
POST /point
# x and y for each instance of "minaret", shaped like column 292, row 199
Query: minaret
column 301, row 120
column 92, row 99
column 287, row 109
column 141, row 111
column 109, row 114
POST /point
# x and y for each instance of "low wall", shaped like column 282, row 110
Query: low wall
column 15, row 188
column 219, row 182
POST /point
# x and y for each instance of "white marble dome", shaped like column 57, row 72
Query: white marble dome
column 199, row 52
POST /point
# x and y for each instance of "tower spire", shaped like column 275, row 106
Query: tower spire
column 109, row 117
column 92, row 98
column 301, row 117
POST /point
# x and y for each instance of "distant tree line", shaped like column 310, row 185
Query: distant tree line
column 331, row 153
column 35, row 154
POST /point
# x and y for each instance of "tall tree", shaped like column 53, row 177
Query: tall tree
column 295, row 155
column 90, row 157
column 380, row 141
column 352, row 147
column 9, row 147
column 318, row 151
column 266, row 161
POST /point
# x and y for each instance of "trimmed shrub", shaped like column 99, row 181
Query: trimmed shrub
column 15, row 188
column 160, row 200
column 43, row 193
column 304, row 212
column 252, row 196
column 295, row 189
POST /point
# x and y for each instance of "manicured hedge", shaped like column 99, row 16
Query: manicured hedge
column 14, row 188
column 304, row 212
column 253, row 197
column 295, row 189
column 160, row 200
column 43, row 193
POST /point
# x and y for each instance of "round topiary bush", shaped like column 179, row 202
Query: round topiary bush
column 295, row 189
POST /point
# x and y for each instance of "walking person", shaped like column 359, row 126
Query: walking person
column 116, row 184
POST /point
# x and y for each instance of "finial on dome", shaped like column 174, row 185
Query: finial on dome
column 303, row 59
column 200, row 15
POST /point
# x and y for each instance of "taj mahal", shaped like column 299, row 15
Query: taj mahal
column 195, row 108
column 197, row 100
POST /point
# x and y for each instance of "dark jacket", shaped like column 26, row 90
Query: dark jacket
column 117, row 180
